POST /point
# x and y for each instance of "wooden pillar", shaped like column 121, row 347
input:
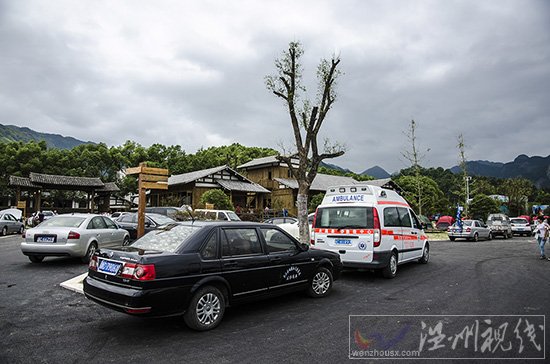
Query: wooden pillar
column 37, row 200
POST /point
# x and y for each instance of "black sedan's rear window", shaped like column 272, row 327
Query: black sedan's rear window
column 168, row 239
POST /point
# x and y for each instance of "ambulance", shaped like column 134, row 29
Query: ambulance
column 370, row 227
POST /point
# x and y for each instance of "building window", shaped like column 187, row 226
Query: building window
column 269, row 175
column 289, row 173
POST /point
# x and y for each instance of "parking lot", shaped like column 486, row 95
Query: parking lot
column 43, row 322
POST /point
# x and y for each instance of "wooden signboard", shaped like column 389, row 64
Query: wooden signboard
column 149, row 178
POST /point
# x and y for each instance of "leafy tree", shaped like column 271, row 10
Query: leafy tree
column 335, row 172
column 218, row 198
column 433, row 199
column 316, row 201
column 306, row 120
column 483, row 205
column 517, row 190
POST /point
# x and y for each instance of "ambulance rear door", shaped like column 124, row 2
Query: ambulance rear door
column 346, row 229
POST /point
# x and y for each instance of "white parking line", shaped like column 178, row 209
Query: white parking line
column 75, row 284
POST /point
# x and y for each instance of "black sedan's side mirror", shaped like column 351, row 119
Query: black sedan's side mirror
column 305, row 247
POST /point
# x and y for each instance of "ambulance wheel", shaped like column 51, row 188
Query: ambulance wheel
column 391, row 269
column 451, row 238
column 425, row 255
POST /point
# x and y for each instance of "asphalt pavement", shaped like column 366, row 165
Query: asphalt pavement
column 41, row 322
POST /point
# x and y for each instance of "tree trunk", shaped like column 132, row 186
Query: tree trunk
column 301, row 203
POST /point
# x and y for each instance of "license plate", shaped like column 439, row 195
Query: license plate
column 342, row 242
column 45, row 239
column 109, row 267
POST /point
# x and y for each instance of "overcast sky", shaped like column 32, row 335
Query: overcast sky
column 192, row 73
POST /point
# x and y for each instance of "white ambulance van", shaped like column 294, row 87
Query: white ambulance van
column 370, row 227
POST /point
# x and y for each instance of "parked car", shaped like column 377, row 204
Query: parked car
column 9, row 224
column 115, row 215
column 281, row 220
column 444, row 222
column 520, row 226
column 215, row 215
column 174, row 213
column 293, row 229
column 198, row 269
column 500, row 225
column 152, row 222
column 471, row 230
column 46, row 214
column 75, row 235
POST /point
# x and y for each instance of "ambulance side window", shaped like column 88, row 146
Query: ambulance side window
column 416, row 223
column 405, row 217
column 391, row 217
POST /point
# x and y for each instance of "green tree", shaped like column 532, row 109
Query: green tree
column 433, row 200
column 483, row 205
column 218, row 198
column 316, row 201
column 517, row 190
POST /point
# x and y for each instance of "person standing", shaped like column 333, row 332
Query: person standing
column 542, row 229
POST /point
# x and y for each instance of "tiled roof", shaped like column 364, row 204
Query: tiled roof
column 22, row 182
column 385, row 183
column 242, row 186
column 321, row 182
column 265, row 161
column 109, row 187
column 55, row 180
column 193, row 176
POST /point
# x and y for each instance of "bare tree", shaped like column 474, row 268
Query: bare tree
column 463, row 166
column 306, row 121
column 414, row 157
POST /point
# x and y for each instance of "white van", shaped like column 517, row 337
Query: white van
column 371, row 227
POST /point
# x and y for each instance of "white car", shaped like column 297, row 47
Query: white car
column 293, row 229
column 520, row 226
column 74, row 235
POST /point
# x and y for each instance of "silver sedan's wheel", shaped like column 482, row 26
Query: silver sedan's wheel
column 4, row 231
column 321, row 283
column 90, row 252
column 206, row 309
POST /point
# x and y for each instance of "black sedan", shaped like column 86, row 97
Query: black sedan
column 128, row 222
column 199, row 269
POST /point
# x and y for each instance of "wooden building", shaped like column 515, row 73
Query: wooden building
column 187, row 188
column 30, row 191
column 276, row 176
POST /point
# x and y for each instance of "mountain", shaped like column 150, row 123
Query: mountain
column 376, row 172
column 11, row 133
column 535, row 169
column 334, row 166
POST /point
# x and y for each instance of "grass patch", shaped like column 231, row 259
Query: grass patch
column 437, row 236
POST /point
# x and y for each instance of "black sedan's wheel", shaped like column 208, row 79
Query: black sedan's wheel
column 391, row 269
column 320, row 284
column 206, row 309
column 36, row 258
column 90, row 252
column 4, row 231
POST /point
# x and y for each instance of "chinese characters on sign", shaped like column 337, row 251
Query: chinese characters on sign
column 447, row 337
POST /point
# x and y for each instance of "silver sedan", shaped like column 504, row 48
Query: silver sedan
column 471, row 230
column 74, row 235
column 9, row 224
